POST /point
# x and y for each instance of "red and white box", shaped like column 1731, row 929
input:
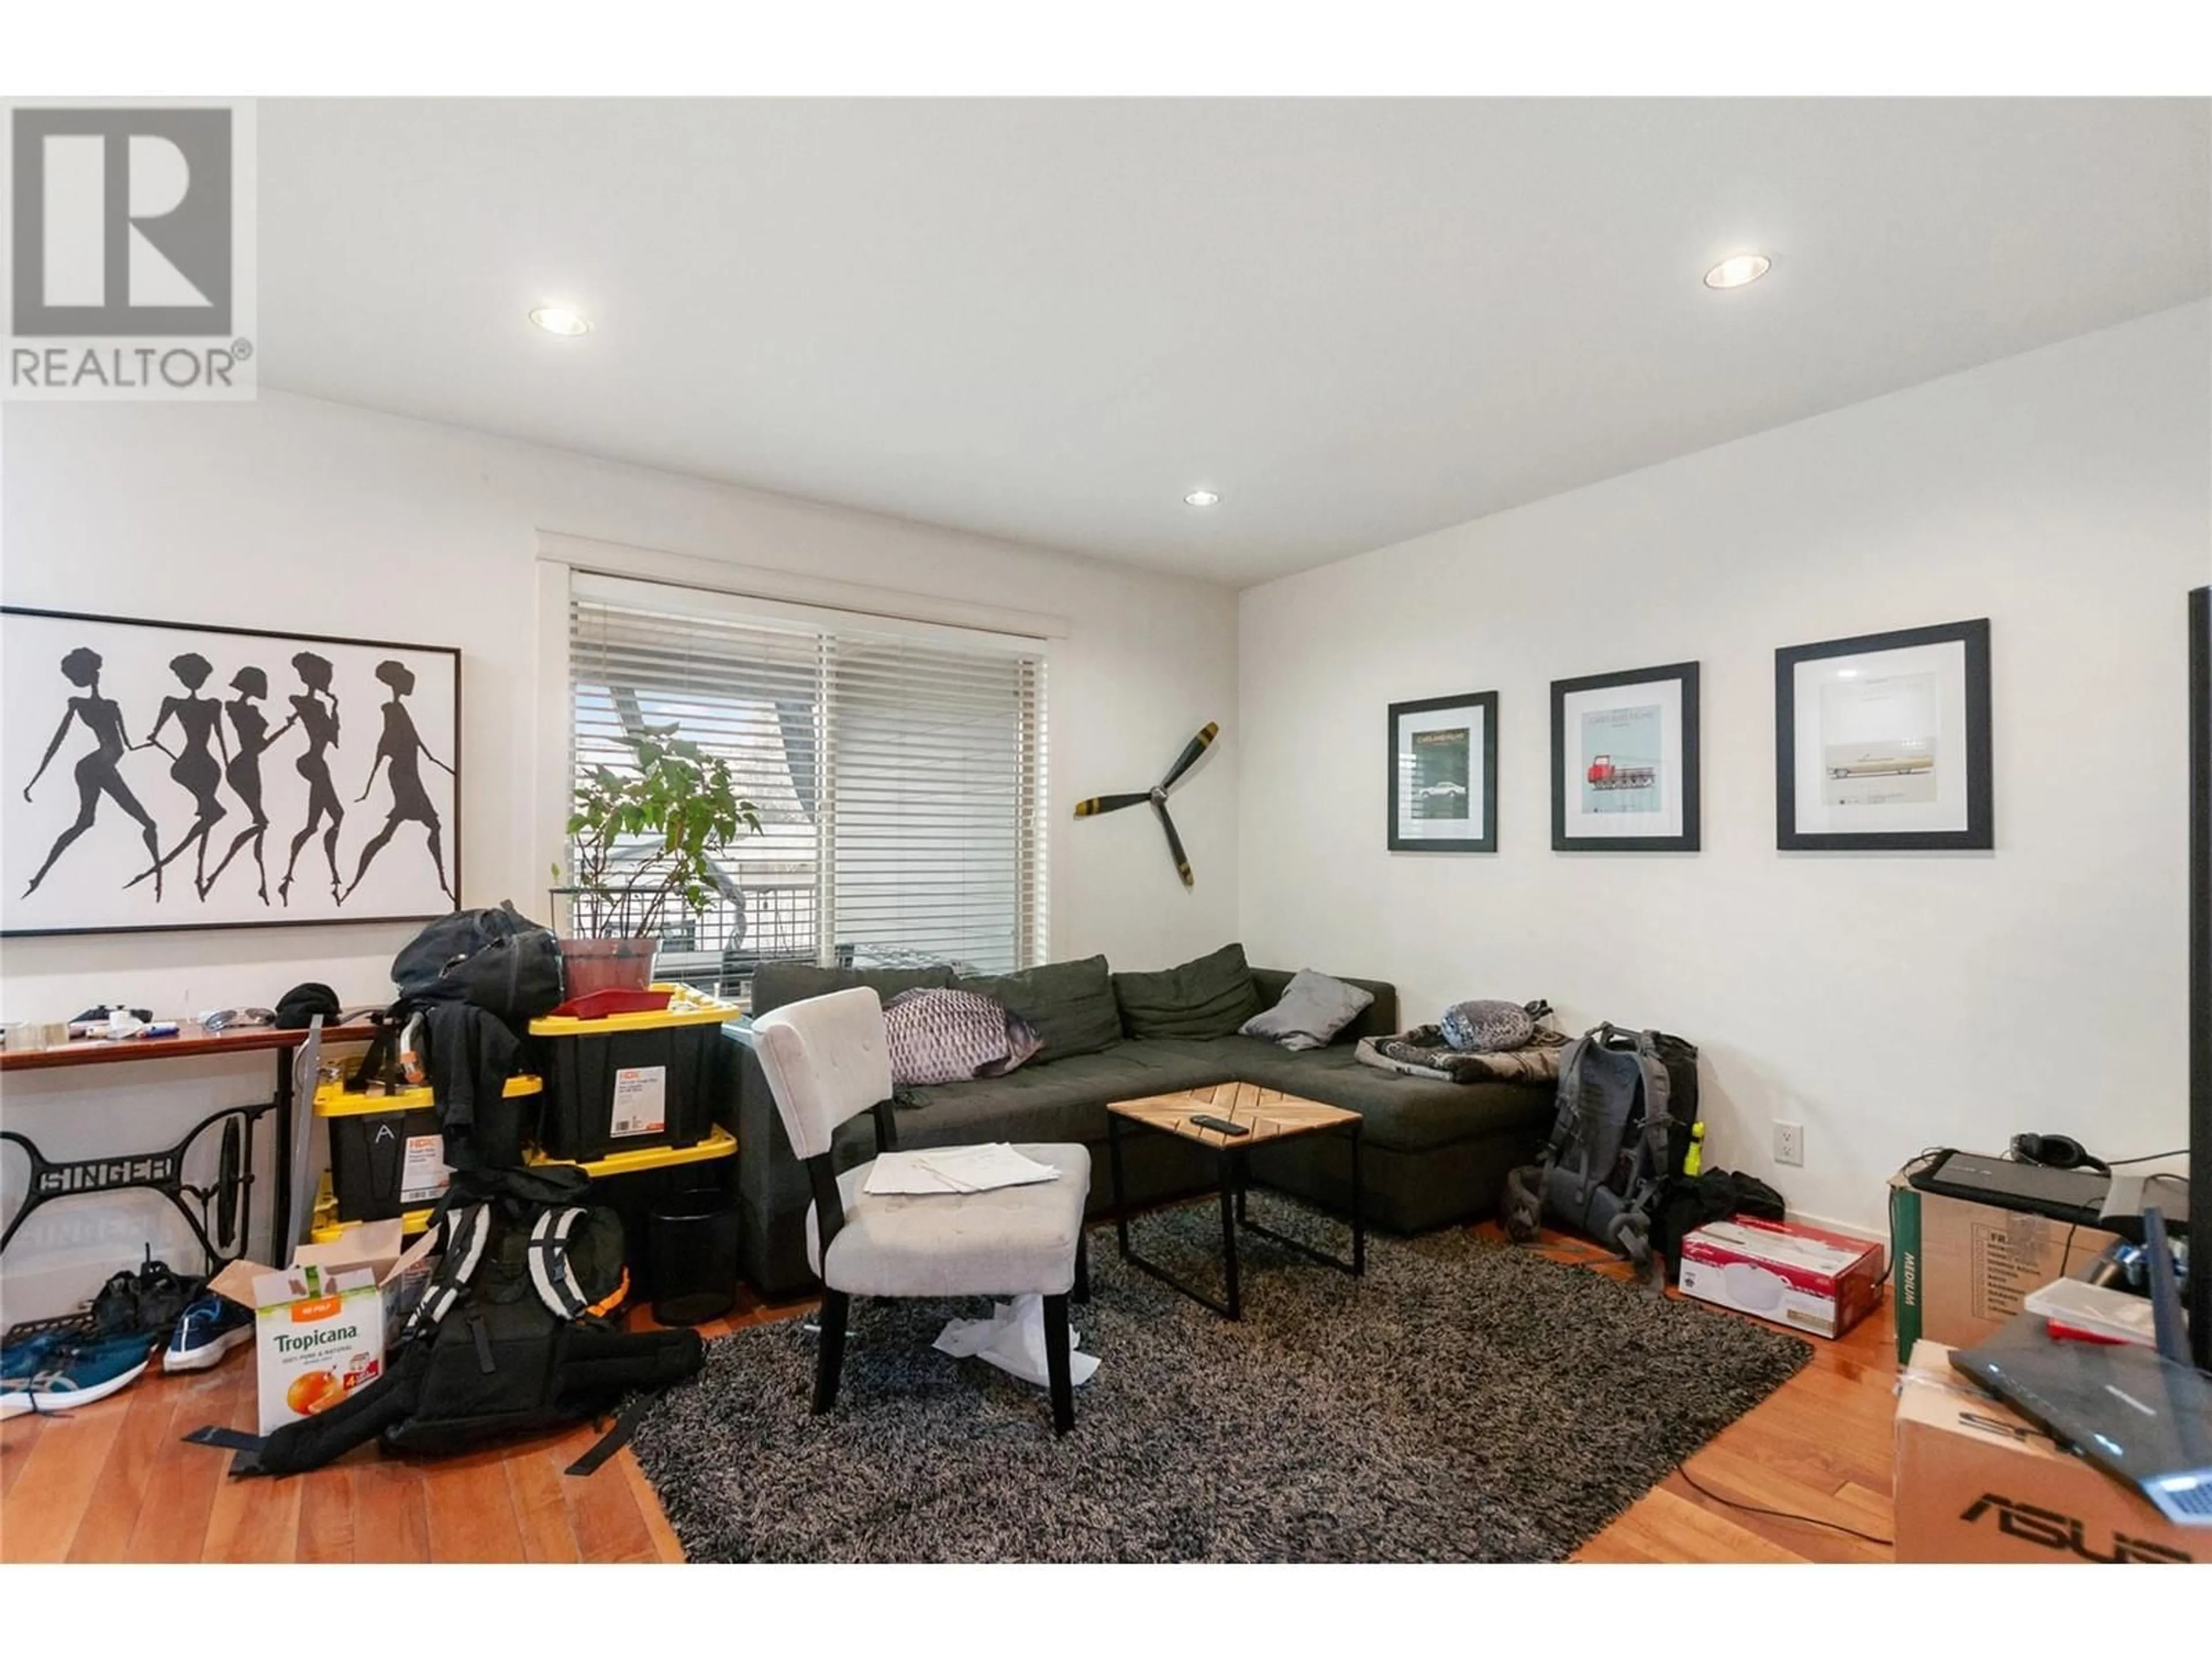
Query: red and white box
column 1798, row 1276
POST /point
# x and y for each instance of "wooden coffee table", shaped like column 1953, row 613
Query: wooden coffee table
column 1269, row 1116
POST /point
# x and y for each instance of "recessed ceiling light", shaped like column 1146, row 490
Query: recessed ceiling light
column 1737, row 269
column 1200, row 498
column 559, row 319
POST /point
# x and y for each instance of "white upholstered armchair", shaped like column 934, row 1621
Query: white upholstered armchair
column 827, row 1060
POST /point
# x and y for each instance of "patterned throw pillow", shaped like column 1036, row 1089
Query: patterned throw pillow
column 950, row 1036
column 1487, row 1028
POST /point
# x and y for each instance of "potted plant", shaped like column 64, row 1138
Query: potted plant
column 642, row 843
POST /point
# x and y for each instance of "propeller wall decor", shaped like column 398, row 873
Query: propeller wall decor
column 1157, row 795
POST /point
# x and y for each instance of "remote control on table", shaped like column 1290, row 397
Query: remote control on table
column 1222, row 1125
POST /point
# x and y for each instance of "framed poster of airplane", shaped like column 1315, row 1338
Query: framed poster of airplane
column 1444, row 774
column 1624, row 761
column 1882, row 741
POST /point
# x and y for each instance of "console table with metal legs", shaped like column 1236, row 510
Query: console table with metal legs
column 220, row 1215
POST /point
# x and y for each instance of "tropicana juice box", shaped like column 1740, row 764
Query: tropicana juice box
column 316, row 1348
column 322, row 1327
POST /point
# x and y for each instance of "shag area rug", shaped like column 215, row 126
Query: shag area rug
column 1464, row 1402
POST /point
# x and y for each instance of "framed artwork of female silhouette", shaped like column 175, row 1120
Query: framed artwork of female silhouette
column 171, row 775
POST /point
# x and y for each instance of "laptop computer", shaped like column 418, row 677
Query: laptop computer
column 2143, row 1416
column 2068, row 1195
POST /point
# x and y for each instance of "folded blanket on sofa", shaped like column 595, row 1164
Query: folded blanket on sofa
column 1422, row 1052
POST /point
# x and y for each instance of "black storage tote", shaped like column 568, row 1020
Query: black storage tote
column 632, row 1080
column 387, row 1156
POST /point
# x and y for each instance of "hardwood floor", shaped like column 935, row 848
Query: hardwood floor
column 1820, row 1446
column 115, row 1482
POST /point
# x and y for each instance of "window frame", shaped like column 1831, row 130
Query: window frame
column 879, row 616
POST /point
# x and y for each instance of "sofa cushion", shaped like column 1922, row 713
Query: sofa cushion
column 1403, row 1114
column 775, row 983
column 1209, row 997
column 1070, row 1004
column 1063, row 1101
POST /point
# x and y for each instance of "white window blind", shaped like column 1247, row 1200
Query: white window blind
column 898, row 770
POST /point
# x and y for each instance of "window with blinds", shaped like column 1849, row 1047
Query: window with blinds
column 898, row 770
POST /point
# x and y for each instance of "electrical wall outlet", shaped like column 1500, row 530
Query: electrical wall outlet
column 1789, row 1143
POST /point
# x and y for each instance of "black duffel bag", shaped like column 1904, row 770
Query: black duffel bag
column 469, row 986
column 1690, row 1201
column 499, row 961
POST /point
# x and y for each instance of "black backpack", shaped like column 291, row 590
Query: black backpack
column 1627, row 1100
column 514, row 1334
column 499, row 961
column 469, row 985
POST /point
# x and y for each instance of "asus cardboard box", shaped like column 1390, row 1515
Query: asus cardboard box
column 1964, row 1269
column 321, row 1325
column 1802, row 1277
column 1977, row 1482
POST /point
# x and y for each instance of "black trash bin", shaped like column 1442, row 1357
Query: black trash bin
column 691, row 1256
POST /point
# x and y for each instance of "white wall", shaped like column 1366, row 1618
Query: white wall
column 290, row 513
column 1887, row 1002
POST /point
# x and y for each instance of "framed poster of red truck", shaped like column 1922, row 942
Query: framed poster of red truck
column 1624, row 761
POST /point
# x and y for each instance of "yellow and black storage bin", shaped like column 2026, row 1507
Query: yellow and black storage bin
column 632, row 1080
column 388, row 1155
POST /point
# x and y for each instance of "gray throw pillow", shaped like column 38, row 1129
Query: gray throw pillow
column 1210, row 997
column 1312, row 1010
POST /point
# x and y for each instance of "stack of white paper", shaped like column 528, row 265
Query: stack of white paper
column 956, row 1169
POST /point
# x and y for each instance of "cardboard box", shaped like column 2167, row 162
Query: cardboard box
column 1795, row 1275
column 1964, row 1269
column 1977, row 1482
column 321, row 1325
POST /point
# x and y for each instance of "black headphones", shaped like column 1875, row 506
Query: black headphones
column 2057, row 1153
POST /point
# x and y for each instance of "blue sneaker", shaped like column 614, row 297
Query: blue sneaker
column 59, row 1370
column 209, row 1328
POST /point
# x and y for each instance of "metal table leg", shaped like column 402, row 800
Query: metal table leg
column 1230, row 1309
column 1232, row 1205
column 1358, row 1208
column 1357, row 1265
column 1120, row 1191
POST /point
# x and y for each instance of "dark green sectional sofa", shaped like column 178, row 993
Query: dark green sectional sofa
column 1434, row 1152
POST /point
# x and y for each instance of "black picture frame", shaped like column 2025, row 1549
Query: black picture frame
column 1688, row 839
column 273, row 638
column 1980, row 835
column 1486, row 841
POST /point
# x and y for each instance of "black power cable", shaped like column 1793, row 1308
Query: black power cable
column 1700, row 1487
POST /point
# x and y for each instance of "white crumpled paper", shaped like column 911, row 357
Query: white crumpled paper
column 1012, row 1339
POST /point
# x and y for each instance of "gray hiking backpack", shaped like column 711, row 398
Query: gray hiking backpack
column 1627, row 1100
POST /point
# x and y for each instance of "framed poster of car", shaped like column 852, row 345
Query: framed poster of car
column 1624, row 761
column 1444, row 774
column 1882, row 741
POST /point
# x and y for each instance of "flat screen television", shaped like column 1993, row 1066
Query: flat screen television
column 2199, row 1299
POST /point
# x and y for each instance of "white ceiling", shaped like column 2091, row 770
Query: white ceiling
column 1046, row 320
